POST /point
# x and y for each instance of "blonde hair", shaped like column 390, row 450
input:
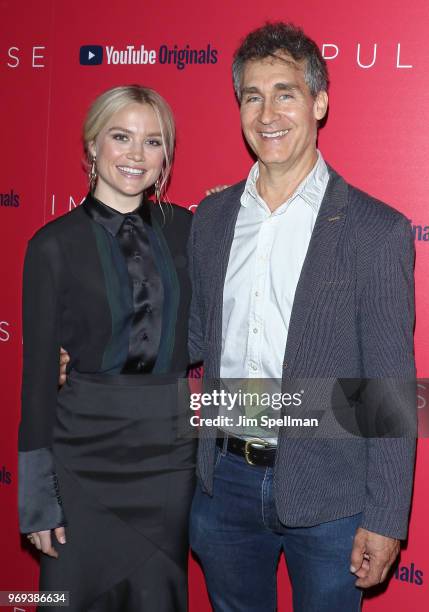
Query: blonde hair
column 116, row 98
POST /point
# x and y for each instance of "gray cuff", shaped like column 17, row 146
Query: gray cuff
column 39, row 501
column 389, row 522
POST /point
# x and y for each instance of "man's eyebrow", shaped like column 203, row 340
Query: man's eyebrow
column 287, row 87
column 278, row 86
column 250, row 89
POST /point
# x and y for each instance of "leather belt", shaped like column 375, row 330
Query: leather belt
column 262, row 455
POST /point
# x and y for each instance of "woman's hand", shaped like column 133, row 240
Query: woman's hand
column 216, row 189
column 64, row 359
column 42, row 540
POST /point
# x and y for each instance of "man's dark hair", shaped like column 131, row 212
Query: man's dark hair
column 273, row 38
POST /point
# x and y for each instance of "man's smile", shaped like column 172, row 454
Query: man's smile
column 278, row 134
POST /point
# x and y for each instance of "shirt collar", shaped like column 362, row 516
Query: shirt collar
column 311, row 189
column 111, row 219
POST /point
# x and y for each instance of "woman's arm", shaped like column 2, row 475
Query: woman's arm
column 39, row 501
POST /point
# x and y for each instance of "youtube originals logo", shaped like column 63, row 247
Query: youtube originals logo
column 91, row 55
column 94, row 55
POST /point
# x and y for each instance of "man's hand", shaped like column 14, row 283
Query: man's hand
column 42, row 540
column 372, row 557
column 64, row 359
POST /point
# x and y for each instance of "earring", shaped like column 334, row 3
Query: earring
column 92, row 175
column 157, row 192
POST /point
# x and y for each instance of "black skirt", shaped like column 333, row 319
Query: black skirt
column 126, row 471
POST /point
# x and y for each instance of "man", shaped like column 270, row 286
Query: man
column 317, row 284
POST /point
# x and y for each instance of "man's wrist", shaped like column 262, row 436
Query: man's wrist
column 390, row 522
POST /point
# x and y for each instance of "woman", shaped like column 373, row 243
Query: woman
column 106, row 464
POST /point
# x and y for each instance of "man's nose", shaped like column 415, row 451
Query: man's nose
column 268, row 113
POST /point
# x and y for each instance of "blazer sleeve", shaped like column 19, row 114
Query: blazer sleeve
column 196, row 337
column 386, row 318
column 39, row 502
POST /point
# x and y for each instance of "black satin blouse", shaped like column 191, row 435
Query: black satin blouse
column 143, row 312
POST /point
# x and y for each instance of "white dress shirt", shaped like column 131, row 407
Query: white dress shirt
column 267, row 254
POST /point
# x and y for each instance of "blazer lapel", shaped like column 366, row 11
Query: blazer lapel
column 318, row 261
column 229, row 218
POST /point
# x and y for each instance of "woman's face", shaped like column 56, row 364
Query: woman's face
column 129, row 155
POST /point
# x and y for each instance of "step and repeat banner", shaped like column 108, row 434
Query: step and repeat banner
column 56, row 56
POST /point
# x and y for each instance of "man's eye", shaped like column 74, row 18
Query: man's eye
column 285, row 97
column 252, row 99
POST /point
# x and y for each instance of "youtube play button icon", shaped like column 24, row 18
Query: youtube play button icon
column 91, row 55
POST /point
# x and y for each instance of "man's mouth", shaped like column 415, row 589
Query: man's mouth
column 129, row 171
column 277, row 134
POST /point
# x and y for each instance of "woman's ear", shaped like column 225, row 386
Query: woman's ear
column 92, row 149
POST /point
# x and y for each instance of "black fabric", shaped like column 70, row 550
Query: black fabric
column 124, row 551
column 65, row 303
column 148, row 294
column 38, row 482
column 145, row 284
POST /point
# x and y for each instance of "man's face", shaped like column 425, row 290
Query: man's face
column 279, row 115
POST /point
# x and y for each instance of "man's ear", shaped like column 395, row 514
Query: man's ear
column 320, row 106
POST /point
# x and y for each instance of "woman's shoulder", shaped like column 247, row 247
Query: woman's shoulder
column 172, row 216
column 59, row 227
column 174, row 223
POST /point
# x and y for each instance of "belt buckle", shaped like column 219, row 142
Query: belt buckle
column 247, row 445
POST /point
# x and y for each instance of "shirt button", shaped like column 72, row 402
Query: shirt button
column 253, row 366
column 255, row 330
column 257, row 293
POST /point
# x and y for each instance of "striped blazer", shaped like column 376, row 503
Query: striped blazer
column 352, row 318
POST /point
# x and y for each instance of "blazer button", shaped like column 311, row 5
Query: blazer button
column 285, row 365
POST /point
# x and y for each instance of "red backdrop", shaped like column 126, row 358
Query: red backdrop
column 376, row 136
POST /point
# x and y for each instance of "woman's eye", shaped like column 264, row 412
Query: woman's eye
column 120, row 137
column 154, row 143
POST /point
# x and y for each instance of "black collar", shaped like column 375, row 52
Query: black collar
column 112, row 219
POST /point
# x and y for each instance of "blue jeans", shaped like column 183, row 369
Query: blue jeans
column 238, row 539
